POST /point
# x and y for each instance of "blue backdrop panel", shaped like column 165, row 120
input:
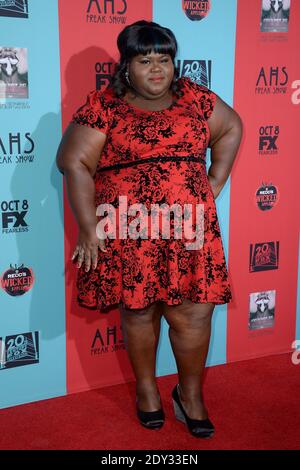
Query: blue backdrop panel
column 37, row 186
column 210, row 39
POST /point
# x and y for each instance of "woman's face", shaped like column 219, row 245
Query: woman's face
column 152, row 74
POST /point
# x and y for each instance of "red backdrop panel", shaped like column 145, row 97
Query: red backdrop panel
column 88, row 33
column 248, row 224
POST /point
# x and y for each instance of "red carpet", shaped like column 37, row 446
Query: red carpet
column 254, row 405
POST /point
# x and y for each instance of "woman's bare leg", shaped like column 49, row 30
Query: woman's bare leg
column 189, row 333
column 141, row 330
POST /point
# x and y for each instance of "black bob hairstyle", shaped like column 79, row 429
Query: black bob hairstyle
column 143, row 37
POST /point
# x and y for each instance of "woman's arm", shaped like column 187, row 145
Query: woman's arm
column 226, row 130
column 77, row 158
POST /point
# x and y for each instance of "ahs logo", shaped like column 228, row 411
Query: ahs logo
column 13, row 143
column 273, row 76
column 101, row 6
column 109, row 338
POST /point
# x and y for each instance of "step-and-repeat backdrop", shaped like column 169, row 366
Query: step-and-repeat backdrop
column 52, row 53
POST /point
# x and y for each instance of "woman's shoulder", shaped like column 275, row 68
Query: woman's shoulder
column 101, row 98
column 96, row 112
column 201, row 96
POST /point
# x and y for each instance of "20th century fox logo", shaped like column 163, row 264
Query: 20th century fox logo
column 14, row 8
column 13, row 216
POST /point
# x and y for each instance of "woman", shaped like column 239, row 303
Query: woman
column 145, row 138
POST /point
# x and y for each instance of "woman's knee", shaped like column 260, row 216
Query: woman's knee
column 141, row 316
column 188, row 315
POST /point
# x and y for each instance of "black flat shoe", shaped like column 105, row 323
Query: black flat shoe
column 198, row 427
column 151, row 419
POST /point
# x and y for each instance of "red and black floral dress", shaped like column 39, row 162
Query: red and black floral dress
column 154, row 158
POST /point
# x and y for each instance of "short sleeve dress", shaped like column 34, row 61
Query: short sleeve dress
column 151, row 161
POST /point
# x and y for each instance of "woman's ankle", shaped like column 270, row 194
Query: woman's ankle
column 148, row 396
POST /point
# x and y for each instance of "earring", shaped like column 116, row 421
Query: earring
column 127, row 77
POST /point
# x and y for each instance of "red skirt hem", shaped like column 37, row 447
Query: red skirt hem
column 103, row 307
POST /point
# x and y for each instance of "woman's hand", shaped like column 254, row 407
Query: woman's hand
column 86, row 249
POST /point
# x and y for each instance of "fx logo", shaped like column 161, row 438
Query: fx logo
column 268, row 136
column 268, row 142
column 13, row 213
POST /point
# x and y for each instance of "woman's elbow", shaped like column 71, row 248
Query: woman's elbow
column 239, row 125
column 60, row 161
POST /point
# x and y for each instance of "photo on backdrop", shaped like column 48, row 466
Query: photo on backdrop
column 275, row 16
column 13, row 72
